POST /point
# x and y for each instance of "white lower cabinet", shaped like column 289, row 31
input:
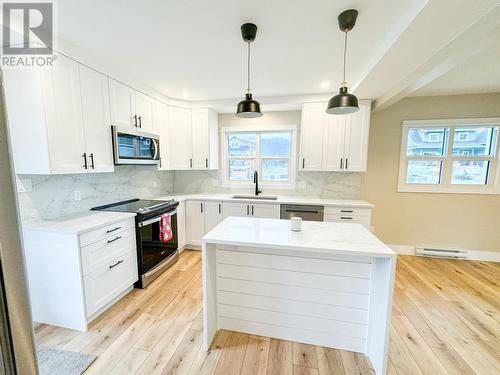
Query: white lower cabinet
column 213, row 215
column 195, row 222
column 262, row 210
column 76, row 271
column 235, row 209
column 181, row 225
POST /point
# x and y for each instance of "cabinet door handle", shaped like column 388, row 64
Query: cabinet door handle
column 341, row 163
column 140, row 121
column 303, row 163
column 206, row 163
column 220, row 208
column 84, row 156
column 248, row 210
column 135, row 121
column 252, row 209
column 114, row 239
column 117, row 263
column 92, row 160
column 201, row 207
column 346, row 167
column 190, row 163
column 113, row 230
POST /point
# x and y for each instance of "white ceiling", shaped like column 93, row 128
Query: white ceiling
column 194, row 47
column 477, row 75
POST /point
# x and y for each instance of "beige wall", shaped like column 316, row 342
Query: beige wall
column 467, row 221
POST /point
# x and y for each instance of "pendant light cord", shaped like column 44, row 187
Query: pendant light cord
column 248, row 69
column 344, row 83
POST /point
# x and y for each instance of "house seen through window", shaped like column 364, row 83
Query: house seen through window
column 450, row 157
column 268, row 152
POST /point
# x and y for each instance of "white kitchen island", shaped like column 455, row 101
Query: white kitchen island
column 328, row 285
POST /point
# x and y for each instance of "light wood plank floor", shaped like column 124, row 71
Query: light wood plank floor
column 445, row 321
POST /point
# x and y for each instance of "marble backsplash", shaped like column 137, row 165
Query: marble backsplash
column 333, row 185
column 53, row 196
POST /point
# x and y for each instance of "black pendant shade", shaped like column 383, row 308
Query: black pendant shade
column 248, row 108
column 344, row 103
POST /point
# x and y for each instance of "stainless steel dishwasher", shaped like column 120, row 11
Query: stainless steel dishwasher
column 306, row 212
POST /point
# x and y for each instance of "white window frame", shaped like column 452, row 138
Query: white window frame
column 292, row 165
column 445, row 186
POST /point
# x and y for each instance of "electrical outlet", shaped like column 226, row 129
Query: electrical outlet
column 77, row 195
column 24, row 185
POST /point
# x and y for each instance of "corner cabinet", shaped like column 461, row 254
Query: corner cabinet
column 334, row 142
column 189, row 139
column 58, row 119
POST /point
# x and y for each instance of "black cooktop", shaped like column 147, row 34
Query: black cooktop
column 137, row 205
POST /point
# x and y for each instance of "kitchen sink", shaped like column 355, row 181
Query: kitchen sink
column 263, row 197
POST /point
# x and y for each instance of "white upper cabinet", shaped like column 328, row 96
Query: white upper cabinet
column 96, row 120
column 334, row 142
column 44, row 112
column 122, row 102
column 144, row 110
column 160, row 127
column 204, row 124
column 192, row 139
column 130, row 108
column 179, row 139
column 311, row 136
column 357, row 130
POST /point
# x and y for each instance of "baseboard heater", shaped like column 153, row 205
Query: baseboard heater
column 441, row 253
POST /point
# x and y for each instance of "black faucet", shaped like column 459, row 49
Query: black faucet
column 256, row 182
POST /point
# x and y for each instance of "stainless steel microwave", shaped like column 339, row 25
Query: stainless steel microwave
column 134, row 147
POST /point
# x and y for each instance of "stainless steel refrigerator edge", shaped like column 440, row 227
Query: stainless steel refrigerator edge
column 18, row 349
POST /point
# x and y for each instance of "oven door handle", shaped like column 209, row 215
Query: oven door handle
column 155, row 219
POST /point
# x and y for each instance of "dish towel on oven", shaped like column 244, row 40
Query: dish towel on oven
column 165, row 228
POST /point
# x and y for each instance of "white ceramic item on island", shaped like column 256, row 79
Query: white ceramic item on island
column 296, row 224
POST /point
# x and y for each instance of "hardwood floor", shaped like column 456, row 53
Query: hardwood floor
column 445, row 320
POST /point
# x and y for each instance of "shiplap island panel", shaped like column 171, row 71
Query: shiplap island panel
column 330, row 284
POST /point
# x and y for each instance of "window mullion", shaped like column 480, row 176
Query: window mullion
column 446, row 168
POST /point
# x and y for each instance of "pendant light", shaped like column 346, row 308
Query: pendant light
column 248, row 108
column 344, row 103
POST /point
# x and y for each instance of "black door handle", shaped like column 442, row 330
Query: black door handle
column 135, row 121
column 140, row 121
column 220, row 208
column 206, row 163
column 248, row 210
column 92, row 160
column 341, row 163
column 346, row 167
column 201, row 207
column 303, row 163
column 84, row 156
column 252, row 209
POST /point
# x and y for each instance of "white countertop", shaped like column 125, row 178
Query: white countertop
column 281, row 200
column 76, row 224
column 323, row 237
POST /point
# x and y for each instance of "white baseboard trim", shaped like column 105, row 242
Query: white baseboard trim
column 487, row 256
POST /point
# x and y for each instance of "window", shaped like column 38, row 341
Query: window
column 450, row 156
column 270, row 152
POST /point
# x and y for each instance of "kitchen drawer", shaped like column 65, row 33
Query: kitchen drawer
column 109, row 281
column 347, row 211
column 106, row 231
column 364, row 220
column 102, row 252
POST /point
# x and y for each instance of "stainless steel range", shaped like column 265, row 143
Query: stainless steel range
column 154, row 254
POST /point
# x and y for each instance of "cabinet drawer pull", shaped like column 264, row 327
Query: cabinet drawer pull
column 117, row 263
column 347, row 211
column 113, row 230
column 346, row 218
column 114, row 239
